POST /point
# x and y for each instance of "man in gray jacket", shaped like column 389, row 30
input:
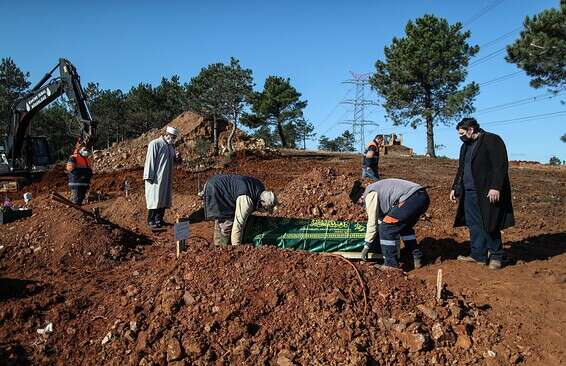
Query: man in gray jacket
column 158, row 176
column 394, row 206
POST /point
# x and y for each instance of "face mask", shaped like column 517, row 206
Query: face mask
column 465, row 138
column 169, row 139
column 84, row 153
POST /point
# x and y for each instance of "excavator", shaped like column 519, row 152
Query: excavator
column 22, row 156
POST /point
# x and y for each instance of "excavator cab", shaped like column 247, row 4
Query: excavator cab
column 35, row 157
column 39, row 153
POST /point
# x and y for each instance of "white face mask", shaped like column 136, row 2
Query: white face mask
column 84, row 153
column 169, row 139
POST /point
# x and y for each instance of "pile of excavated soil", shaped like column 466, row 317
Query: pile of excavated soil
column 194, row 144
column 321, row 193
column 245, row 305
column 131, row 153
column 56, row 236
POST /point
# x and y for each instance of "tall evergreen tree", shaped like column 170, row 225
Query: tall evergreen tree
column 171, row 94
column 204, row 96
column 278, row 105
column 13, row 84
column 305, row 131
column 237, row 89
column 221, row 91
column 343, row 143
column 421, row 75
column 142, row 109
column 109, row 110
column 54, row 122
column 540, row 50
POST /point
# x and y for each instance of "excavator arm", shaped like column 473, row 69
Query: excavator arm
column 41, row 95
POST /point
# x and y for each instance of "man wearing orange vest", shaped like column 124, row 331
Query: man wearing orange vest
column 371, row 159
column 80, row 174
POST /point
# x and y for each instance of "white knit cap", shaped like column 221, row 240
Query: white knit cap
column 268, row 200
column 172, row 130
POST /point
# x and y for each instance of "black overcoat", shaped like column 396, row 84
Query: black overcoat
column 490, row 171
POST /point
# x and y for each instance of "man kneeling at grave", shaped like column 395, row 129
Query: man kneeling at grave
column 230, row 199
column 395, row 206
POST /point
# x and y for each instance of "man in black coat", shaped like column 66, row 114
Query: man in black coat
column 483, row 188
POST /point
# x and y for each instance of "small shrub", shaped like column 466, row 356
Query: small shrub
column 555, row 161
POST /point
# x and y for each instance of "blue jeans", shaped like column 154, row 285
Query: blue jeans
column 481, row 241
column 369, row 173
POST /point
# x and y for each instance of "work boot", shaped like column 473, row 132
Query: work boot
column 466, row 258
column 494, row 264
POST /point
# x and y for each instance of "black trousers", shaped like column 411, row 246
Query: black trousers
column 78, row 194
column 481, row 241
column 155, row 216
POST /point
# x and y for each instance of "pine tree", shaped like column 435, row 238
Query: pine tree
column 421, row 75
column 279, row 106
column 13, row 84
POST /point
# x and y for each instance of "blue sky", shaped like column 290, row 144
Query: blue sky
column 315, row 43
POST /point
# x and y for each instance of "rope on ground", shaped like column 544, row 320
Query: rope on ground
column 360, row 279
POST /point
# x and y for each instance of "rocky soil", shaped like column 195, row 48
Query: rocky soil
column 115, row 294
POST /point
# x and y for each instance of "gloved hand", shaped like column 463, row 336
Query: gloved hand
column 365, row 251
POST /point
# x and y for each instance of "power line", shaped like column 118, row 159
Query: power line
column 519, row 102
column 501, row 78
column 499, row 107
column 336, row 106
column 374, row 109
column 505, row 35
column 535, row 117
column 334, row 125
column 488, row 57
column 482, row 12
column 510, row 121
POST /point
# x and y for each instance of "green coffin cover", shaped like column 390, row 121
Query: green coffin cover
column 303, row 234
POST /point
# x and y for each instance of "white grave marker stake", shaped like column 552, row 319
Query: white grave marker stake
column 439, row 285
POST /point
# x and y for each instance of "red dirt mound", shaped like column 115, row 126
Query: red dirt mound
column 194, row 143
column 59, row 236
column 245, row 305
column 131, row 153
column 321, row 193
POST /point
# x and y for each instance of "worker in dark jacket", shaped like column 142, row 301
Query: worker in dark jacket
column 394, row 207
column 229, row 200
column 483, row 188
column 80, row 174
column 370, row 168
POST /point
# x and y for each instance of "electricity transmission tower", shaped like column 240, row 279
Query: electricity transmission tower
column 358, row 122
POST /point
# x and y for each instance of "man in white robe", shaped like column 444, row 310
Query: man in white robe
column 158, row 176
